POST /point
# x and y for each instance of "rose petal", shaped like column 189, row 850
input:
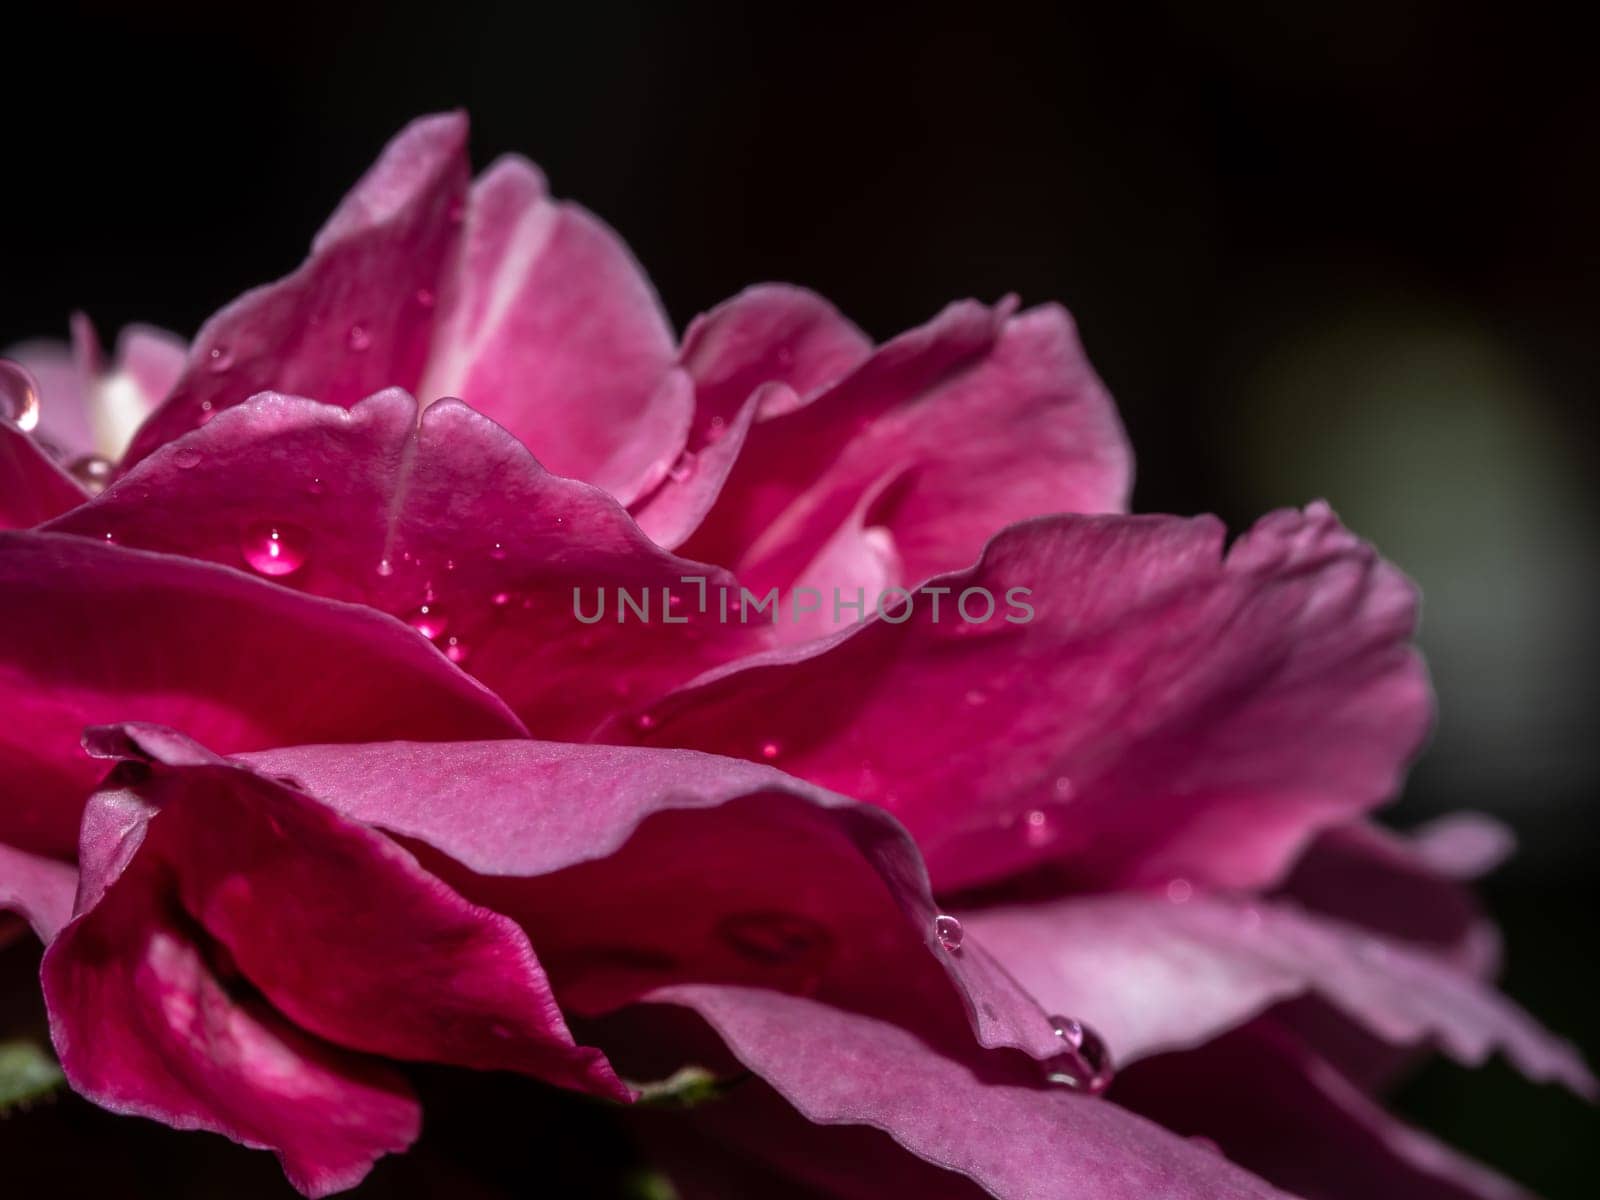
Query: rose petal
column 357, row 315
column 601, row 852
column 1164, row 712
column 39, row 889
column 1275, row 1107
column 995, row 418
column 91, row 632
column 551, row 328
column 985, row 1116
column 33, row 488
column 449, row 523
column 1152, row 975
column 147, row 1022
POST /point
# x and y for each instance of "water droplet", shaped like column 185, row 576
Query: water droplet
column 385, row 567
column 315, row 486
column 186, row 458
column 774, row 938
column 684, row 467
column 359, row 339
column 1179, row 890
column 274, row 547
column 425, row 297
column 500, row 599
column 19, row 395
column 91, row 471
column 716, row 429
column 498, row 553
column 429, row 621
column 1064, row 788
column 644, row 721
column 110, row 537
column 455, row 650
column 220, row 359
column 1205, row 1143
column 207, row 411
column 949, row 932
column 1037, row 825
column 770, row 750
column 1084, row 1065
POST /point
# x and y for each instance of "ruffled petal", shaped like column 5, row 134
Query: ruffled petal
column 358, row 314
column 92, row 632
column 447, row 522
column 38, row 889
column 550, row 327
column 1153, row 974
column 1109, row 696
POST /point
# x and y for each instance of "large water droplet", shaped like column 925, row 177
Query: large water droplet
column 949, row 932
column 274, row 547
column 429, row 620
column 774, row 938
column 91, row 471
column 19, row 395
column 1084, row 1064
column 186, row 458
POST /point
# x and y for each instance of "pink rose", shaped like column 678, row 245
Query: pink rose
column 881, row 777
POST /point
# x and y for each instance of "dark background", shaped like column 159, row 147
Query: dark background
column 1341, row 249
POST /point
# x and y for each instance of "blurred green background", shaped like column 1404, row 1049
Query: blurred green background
column 1342, row 250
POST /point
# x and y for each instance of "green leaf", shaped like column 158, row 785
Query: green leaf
column 27, row 1074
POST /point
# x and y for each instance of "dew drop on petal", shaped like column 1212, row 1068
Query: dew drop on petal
column 498, row 553
column 770, row 750
column 429, row 621
column 274, row 547
column 1179, row 890
column 1205, row 1143
column 949, row 932
column 91, row 471
column 315, row 486
column 644, row 721
column 1085, row 1065
column 19, row 395
column 219, row 359
column 359, row 339
column 186, row 458
column 455, row 650
column 500, row 599
column 1037, row 825
column 715, row 429
column 385, row 567
column 1064, row 788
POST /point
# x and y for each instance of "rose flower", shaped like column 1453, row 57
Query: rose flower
column 440, row 662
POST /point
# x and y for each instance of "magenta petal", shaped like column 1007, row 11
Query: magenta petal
column 994, row 419
column 550, row 327
column 448, row 523
column 149, row 1018
column 91, row 632
column 1275, row 1107
column 1166, row 711
column 341, row 929
column 1152, row 974
column 33, row 488
column 601, row 853
column 38, row 889
column 983, row 1116
column 358, row 314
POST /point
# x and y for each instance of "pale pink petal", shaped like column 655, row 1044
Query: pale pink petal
column 92, row 632
column 448, row 523
column 63, row 395
column 550, row 327
column 358, row 314
column 1153, row 974
column 1164, row 711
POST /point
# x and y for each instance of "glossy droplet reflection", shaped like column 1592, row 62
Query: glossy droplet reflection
column 91, row 471
column 429, row 620
column 949, row 932
column 1084, row 1064
column 219, row 359
column 770, row 750
column 274, row 547
column 359, row 339
column 19, row 395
